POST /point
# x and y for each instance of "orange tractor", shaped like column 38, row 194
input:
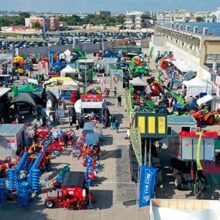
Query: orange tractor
column 204, row 117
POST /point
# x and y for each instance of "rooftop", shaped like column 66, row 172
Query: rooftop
column 181, row 120
column 10, row 129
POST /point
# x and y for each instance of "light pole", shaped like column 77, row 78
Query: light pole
column 85, row 75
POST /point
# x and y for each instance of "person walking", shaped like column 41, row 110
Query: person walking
column 119, row 101
column 116, row 125
column 113, row 120
column 115, row 91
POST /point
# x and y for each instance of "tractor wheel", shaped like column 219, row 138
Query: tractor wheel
column 210, row 120
column 178, row 182
column 49, row 204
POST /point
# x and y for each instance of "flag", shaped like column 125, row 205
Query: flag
column 147, row 184
column 151, row 51
column 198, row 153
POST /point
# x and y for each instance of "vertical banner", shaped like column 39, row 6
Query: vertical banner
column 44, row 24
column 198, row 153
column 50, row 56
column 74, row 42
column 147, row 184
column 135, row 137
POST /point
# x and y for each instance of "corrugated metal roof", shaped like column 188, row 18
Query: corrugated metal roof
column 181, row 120
column 10, row 129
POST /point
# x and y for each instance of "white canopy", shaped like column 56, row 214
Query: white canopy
column 66, row 55
column 67, row 52
column 196, row 86
column 68, row 70
column 77, row 106
column 204, row 99
column 182, row 66
column 137, row 82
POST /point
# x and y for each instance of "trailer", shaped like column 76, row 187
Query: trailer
column 184, row 209
column 12, row 137
column 176, row 124
column 192, row 149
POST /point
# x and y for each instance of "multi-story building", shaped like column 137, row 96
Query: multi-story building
column 217, row 14
column 51, row 23
column 164, row 17
column 103, row 13
column 193, row 51
column 173, row 16
column 136, row 20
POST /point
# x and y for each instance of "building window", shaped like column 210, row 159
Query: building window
column 169, row 131
column 186, row 129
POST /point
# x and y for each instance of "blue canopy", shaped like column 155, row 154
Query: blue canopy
column 110, row 54
column 88, row 128
column 92, row 139
column 59, row 63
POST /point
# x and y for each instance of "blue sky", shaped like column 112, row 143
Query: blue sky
column 73, row 6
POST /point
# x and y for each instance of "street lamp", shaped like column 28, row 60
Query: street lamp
column 85, row 75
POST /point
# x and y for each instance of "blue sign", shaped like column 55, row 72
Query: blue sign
column 50, row 55
column 147, row 183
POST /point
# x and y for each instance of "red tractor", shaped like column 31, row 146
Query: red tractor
column 73, row 193
column 204, row 117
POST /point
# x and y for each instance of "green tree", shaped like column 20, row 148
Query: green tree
column 24, row 14
column 199, row 19
column 36, row 25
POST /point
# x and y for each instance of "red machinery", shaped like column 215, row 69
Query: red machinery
column 156, row 88
column 72, row 194
column 4, row 165
column 204, row 117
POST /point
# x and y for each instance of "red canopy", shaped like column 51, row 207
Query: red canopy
column 196, row 134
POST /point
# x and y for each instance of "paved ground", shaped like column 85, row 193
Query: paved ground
column 115, row 193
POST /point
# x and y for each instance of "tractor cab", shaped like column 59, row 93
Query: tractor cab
column 72, row 194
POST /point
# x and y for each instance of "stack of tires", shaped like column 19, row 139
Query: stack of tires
column 133, row 165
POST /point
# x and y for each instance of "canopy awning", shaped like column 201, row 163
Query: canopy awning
column 137, row 82
column 92, row 139
column 62, row 81
column 88, row 127
column 27, row 98
column 204, row 99
column 182, row 66
column 68, row 69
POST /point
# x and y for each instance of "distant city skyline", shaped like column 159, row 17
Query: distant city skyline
column 115, row 6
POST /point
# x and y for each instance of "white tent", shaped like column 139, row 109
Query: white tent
column 138, row 82
column 182, row 66
column 67, row 52
column 68, row 70
column 77, row 106
column 67, row 55
column 204, row 99
column 196, row 86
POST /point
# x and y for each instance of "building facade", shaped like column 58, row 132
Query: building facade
column 137, row 20
column 173, row 16
column 52, row 23
column 195, row 51
column 103, row 13
column 217, row 14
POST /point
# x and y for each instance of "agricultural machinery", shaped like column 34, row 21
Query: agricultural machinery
column 73, row 193
column 196, row 151
column 204, row 117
